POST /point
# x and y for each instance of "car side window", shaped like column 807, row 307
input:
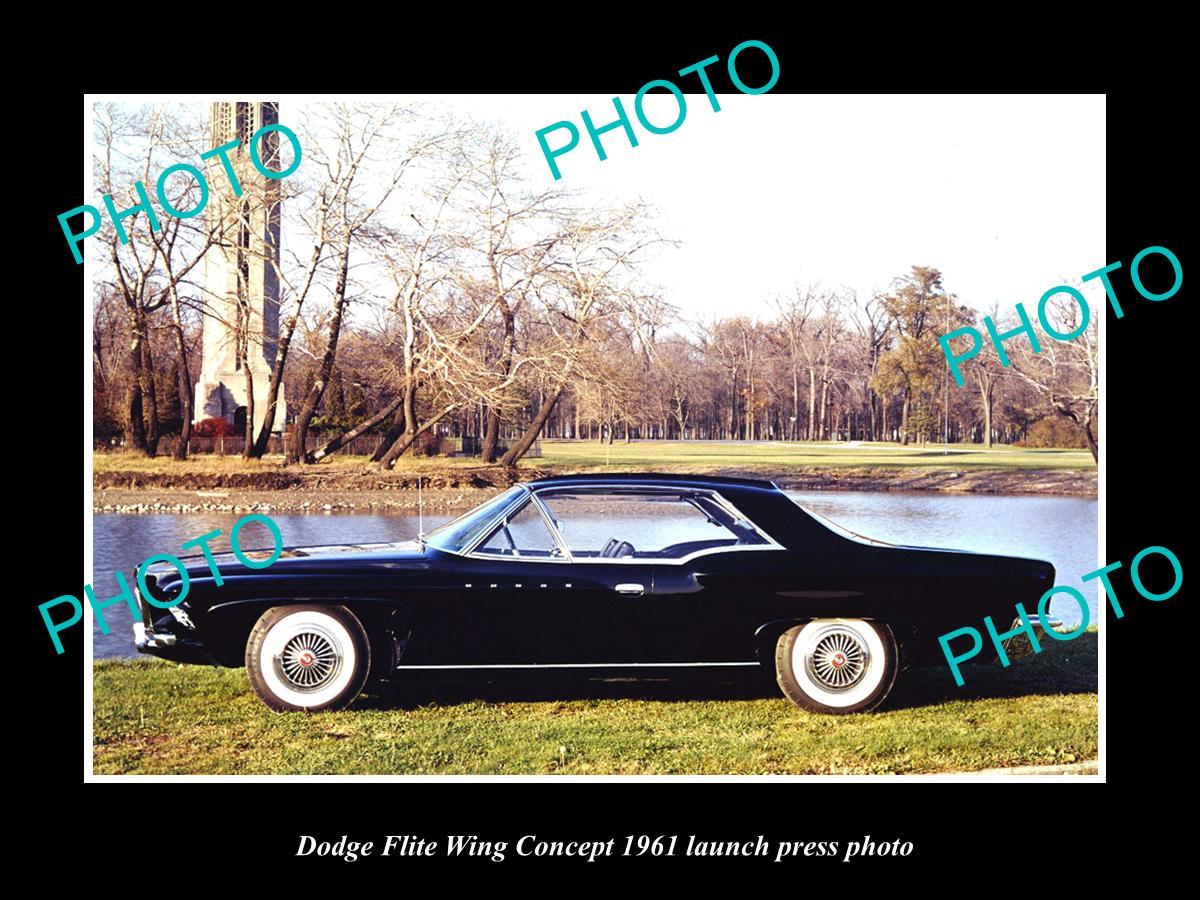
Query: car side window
column 523, row 534
column 644, row 525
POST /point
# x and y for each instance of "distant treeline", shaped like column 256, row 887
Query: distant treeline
column 434, row 291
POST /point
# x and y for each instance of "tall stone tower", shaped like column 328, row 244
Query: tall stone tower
column 241, row 282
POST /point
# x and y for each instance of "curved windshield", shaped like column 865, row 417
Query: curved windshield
column 460, row 533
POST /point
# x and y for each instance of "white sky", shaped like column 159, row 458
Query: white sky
column 1005, row 195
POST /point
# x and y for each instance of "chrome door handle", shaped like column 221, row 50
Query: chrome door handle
column 631, row 589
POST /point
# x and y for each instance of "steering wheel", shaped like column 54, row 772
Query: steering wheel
column 609, row 548
column 624, row 549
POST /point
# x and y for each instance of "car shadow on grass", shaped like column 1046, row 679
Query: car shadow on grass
column 1064, row 668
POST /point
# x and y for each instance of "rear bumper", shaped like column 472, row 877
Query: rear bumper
column 1019, row 644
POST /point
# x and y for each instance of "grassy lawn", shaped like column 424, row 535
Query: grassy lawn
column 211, row 464
column 151, row 717
column 775, row 455
column 658, row 455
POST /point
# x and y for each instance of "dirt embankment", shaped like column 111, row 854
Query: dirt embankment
column 1068, row 482
column 300, row 490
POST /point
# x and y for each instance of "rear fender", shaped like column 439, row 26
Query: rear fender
column 766, row 636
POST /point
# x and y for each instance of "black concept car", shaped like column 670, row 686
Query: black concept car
column 601, row 575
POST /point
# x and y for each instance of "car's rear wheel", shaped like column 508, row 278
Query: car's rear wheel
column 308, row 658
column 837, row 665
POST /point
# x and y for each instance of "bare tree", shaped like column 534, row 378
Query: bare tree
column 359, row 131
column 1065, row 374
column 591, row 279
column 149, row 257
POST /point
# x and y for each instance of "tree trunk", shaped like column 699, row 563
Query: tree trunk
column 795, row 403
column 281, row 354
column 135, row 426
column 904, row 420
column 149, row 394
column 521, row 447
column 185, row 376
column 248, row 430
column 812, row 403
column 362, row 428
column 1089, row 435
column 394, row 430
column 397, row 449
column 506, row 355
column 985, row 391
column 491, row 437
column 824, row 429
column 263, row 441
column 309, row 409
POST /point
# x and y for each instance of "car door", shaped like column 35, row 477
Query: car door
column 526, row 603
column 616, row 537
column 709, row 608
column 711, row 594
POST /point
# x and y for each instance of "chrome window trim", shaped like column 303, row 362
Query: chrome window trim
column 486, row 534
column 552, row 525
column 721, row 500
column 516, row 506
column 607, row 488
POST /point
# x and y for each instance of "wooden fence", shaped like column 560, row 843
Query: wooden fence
column 364, row 445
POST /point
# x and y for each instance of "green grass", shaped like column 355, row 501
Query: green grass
column 151, row 717
column 211, row 464
column 777, row 455
column 681, row 456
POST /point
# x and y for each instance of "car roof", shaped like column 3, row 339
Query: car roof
column 652, row 479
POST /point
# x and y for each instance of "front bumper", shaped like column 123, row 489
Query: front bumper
column 147, row 640
column 168, row 633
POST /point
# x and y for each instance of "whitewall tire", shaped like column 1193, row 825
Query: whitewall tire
column 308, row 658
column 837, row 665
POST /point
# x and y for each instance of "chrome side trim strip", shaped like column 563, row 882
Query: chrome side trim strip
column 663, row 665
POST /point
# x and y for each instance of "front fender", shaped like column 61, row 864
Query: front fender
column 226, row 625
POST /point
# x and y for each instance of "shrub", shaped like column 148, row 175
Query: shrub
column 429, row 444
column 213, row 427
column 1054, row 431
column 105, row 428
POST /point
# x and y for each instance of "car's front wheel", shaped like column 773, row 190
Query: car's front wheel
column 837, row 665
column 308, row 658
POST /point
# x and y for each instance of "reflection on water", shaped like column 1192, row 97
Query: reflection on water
column 1059, row 529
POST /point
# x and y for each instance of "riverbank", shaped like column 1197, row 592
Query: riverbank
column 125, row 482
column 400, row 495
column 151, row 717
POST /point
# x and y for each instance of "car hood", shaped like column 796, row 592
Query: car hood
column 295, row 560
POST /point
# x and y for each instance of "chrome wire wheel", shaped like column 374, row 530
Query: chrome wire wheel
column 836, row 658
column 310, row 660
column 308, row 657
column 837, row 665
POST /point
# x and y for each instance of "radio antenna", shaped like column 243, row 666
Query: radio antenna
column 420, row 513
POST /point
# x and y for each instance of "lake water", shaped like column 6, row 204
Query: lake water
column 1062, row 530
